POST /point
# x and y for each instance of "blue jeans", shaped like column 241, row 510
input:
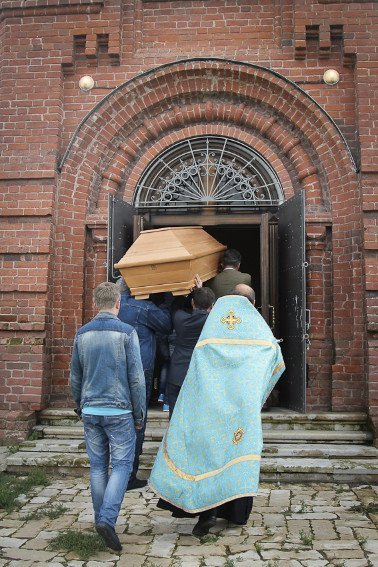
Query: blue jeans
column 148, row 374
column 109, row 438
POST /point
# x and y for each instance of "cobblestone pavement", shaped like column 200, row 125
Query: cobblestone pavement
column 291, row 525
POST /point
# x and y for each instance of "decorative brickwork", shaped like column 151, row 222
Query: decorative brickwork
column 63, row 155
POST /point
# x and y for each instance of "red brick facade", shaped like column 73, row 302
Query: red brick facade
column 165, row 71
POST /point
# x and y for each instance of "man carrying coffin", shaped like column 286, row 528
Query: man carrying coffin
column 209, row 461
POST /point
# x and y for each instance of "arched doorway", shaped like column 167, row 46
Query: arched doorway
column 233, row 192
column 256, row 106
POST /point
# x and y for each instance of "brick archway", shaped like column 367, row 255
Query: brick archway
column 140, row 118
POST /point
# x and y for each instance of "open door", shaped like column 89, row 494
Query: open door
column 292, row 301
column 124, row 225
column 268, row 270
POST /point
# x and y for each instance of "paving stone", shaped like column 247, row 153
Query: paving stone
column 227, row 539
column 277, row 554
column 36, row 544
column 31, row 529
column 355, row 563
column 163, row 545
column 371, row 546
column 323, row 529
column 214, row 561
column 243, row 555
column 19, row 563
column 9, row 523
column 183, row 550
column 24, row 554
column 131, row 561
column 314, row 516
column 7, row 531
column 137, row 529
column 11, row 542
column 343, row 554
column 99, row 564
column 325, row 545
column 255, row 531
column 136, row 549
column 158, row 562
column 47, row 534
column 315, row 563
column 274, row 520
column 128, row 539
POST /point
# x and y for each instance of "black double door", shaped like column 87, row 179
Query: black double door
column 273, row 249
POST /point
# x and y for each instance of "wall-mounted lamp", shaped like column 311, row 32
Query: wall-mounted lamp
column 331, row 77
column 86, row 83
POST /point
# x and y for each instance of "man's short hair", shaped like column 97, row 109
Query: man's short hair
column 203, row 298
column 106, row 295
column 245, row 291
column 231, row 257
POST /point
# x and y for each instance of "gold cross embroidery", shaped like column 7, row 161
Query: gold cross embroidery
column 231, row 320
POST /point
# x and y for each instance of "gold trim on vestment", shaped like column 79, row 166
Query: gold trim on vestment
column 259, row 342
column 278, row 367
column 198, row 510
column 196, row 477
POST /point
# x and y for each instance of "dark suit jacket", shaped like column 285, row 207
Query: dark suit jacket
column 224, row 282
column 188, row 327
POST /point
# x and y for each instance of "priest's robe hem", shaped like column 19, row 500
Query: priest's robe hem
column 211, row 451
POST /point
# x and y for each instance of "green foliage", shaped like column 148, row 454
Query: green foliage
column 209, row 538
column 11, row 487
column 303, row 509
column 33, row 436
column 84, row 545
column 306, row 538
column 371, row 508
column 52, row 512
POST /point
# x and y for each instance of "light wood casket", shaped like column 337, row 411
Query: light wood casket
column 167, row 259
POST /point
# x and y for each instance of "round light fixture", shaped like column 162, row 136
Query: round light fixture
column 86, row 83
column 331, row 77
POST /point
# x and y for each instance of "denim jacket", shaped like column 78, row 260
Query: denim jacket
column 106, row 368
column 147, row 319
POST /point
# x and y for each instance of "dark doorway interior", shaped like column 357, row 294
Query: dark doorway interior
column 245, row 239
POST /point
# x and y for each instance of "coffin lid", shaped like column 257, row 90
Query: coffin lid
column 170, row 244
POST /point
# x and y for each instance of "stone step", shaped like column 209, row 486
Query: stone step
column 275, row 419
column 272, row 468
column 150, row 448
column 277, row 435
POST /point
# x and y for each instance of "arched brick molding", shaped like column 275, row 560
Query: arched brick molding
column 133, row 121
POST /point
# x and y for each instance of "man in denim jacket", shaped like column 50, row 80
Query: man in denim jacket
column 147, row 319
column 107, row 384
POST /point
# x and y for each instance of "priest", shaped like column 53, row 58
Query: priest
column 209, row 461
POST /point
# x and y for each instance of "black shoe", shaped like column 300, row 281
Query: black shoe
column 204, row 524
column 109, row 536
column 136, row 483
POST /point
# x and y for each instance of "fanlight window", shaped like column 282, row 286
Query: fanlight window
column 208, row 171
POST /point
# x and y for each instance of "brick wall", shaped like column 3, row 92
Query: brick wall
column 52, row 247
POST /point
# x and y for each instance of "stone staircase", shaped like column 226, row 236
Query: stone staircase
column 323, row 447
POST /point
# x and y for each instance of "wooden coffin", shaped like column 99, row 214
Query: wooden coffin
column 167, row 259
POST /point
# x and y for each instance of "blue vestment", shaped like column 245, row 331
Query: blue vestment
column 211, row 451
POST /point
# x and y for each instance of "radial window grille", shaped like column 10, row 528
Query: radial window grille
column 208, row 171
